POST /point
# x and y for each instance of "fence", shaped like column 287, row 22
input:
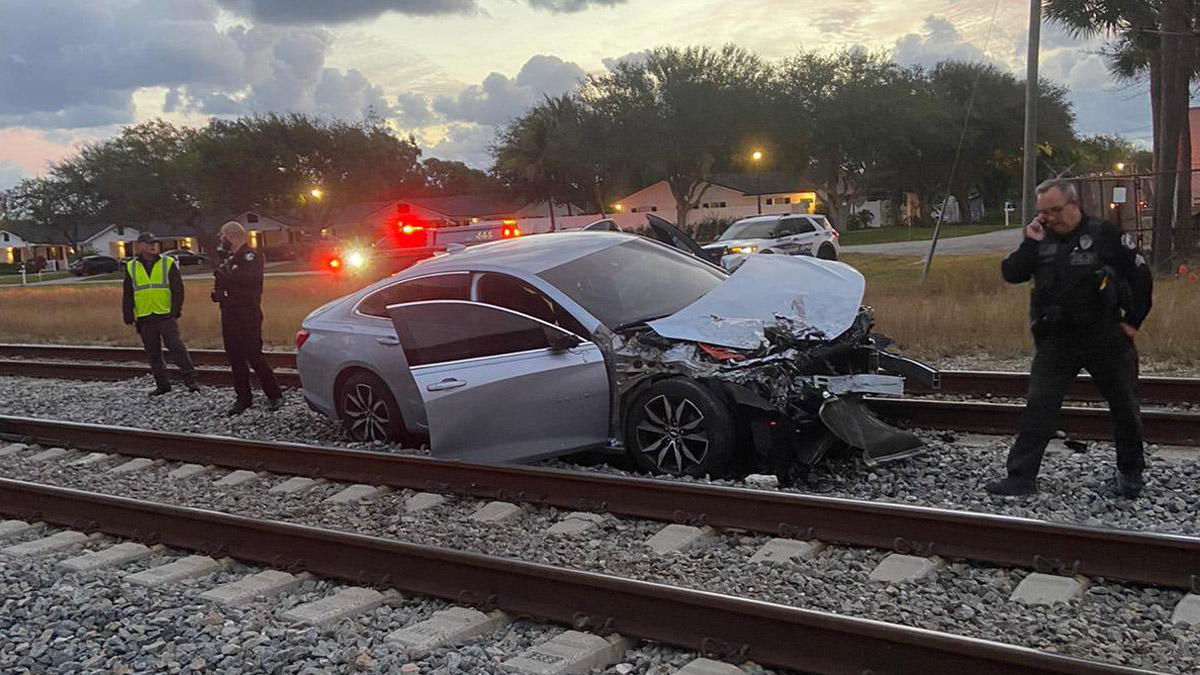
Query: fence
column 1128, row 201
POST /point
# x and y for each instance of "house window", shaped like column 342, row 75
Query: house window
column 5, row 236
column 251, row 217
column 785, row 200
column 644, row 209
column 120, row 230
column 716, row 205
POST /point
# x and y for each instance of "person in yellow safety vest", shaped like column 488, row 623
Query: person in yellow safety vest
column 153, row 301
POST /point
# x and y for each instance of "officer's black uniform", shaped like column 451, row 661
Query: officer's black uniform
column 238, row 289
column 1085, row 284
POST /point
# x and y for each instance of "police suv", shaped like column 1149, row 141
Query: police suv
column 791, row 234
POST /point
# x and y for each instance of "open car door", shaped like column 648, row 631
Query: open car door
column 673, row 236
column 501, row 386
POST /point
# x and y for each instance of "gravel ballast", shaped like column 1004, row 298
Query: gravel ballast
column 94, row 622
column 950, row 475
column 1113, row 622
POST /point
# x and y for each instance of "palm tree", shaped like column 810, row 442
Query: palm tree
column 1152, row 39
column 533, row 152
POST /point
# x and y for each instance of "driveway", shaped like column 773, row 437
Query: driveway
column 1000, row 241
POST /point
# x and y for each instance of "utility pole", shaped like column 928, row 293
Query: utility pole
column 1031, row 99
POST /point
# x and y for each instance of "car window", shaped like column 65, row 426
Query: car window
column 799, row 225
column 636, row 281
column 511, row 293
column 439, row 332
column 437, row 287
column 762, row 229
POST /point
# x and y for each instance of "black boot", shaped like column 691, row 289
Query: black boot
column 192, row 386
column 275, row 403
column 1012, row 487
column 160, row 390
column 237, row 408
column 1129, row 485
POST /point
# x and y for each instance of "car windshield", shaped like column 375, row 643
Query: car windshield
column 633, row 282
column 749, row 229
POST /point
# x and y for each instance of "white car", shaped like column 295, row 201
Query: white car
column 790, row 234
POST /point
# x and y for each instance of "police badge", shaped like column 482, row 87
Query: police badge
column 1129, row 239
column 1085, row 242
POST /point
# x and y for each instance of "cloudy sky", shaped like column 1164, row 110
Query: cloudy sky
column 448, row 71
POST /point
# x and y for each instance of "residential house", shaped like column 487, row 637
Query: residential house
column 22, row 242
column 263, row 231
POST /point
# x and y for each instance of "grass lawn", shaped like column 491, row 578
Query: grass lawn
column 15, row 279
column 963, row 309
column 887, row 235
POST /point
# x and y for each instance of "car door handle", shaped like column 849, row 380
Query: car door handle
column 446, row 385
column 388, row 341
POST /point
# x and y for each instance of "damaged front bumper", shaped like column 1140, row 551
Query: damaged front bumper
column 798, row 400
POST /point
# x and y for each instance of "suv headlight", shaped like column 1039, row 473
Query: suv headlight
column 748, row 248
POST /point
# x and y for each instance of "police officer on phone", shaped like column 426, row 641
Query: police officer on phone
column 238, row 289
column 1091, row 292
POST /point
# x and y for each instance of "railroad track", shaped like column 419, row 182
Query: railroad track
column 610, row 607
column 1082, row 423
column 975, row 384
column 1165, row 560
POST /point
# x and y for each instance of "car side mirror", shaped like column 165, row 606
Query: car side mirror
column 561, row 341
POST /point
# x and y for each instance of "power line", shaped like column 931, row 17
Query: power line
column 937, row 228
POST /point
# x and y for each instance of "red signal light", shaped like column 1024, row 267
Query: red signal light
column 335, row 263
column 410, row 229
column 301, row 338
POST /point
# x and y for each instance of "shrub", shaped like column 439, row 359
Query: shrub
column 710, row 228
column 860, row 220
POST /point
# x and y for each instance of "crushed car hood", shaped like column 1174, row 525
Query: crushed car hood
column 805, row 298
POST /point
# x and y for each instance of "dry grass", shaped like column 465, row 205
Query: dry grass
column 964, row 309
column 91, row 314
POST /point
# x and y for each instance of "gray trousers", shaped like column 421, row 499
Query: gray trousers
column 155, row 333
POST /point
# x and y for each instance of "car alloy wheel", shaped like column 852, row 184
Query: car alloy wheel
column 366, row 413
column 673, row 435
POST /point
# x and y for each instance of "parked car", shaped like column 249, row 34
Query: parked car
column 802, row 234
column 94, row 264
column 541, row 346
column 185, row 257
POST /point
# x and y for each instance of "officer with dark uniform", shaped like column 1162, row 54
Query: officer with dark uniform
column 1090, row 295
column 238, row 289
column 152, row 300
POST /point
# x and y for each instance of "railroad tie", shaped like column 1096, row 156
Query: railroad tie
column 13, row 449
column 446, row 627
column 49, row 454
column 709, row 667
column 246, row 590
column 118, row 554
column 183, row 569
column 676, row 538
column 787, row 550
column 11, row 529
column 331, row 609
column 1188, row 610
column 898, row 568
column 567, row 653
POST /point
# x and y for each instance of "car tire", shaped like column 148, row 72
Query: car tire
column 367, row 409
column 827, row 252
column 678, row 427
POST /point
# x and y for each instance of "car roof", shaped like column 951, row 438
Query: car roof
column 531, row 254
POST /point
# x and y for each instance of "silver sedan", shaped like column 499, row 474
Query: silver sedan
column 547, row 345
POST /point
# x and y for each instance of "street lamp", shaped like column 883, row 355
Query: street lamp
column 1120, row 166
column 757, row 157
column 315, row 192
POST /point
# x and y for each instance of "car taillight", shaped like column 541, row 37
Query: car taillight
column 510, row 232
column 334, row 264
column 301, row 338
column 836, row 234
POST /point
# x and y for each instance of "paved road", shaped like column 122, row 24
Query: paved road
column 1000, row 241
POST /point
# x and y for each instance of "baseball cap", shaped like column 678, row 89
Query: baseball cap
column 147, row 238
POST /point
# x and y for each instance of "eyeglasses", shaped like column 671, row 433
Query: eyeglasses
column 1053, row 210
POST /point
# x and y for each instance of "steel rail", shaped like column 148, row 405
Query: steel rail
column 716, row 625
column 109, row 372
column 977, row 384
column 1159, row 426
column 200, row 357
column 1093, row 424
column 1159, row 559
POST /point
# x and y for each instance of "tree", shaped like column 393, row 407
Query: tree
column 682, row 113
column 1100, row 154
column 849, row 101
column 62, row 202
column 1153, row 39
column 446, row 178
